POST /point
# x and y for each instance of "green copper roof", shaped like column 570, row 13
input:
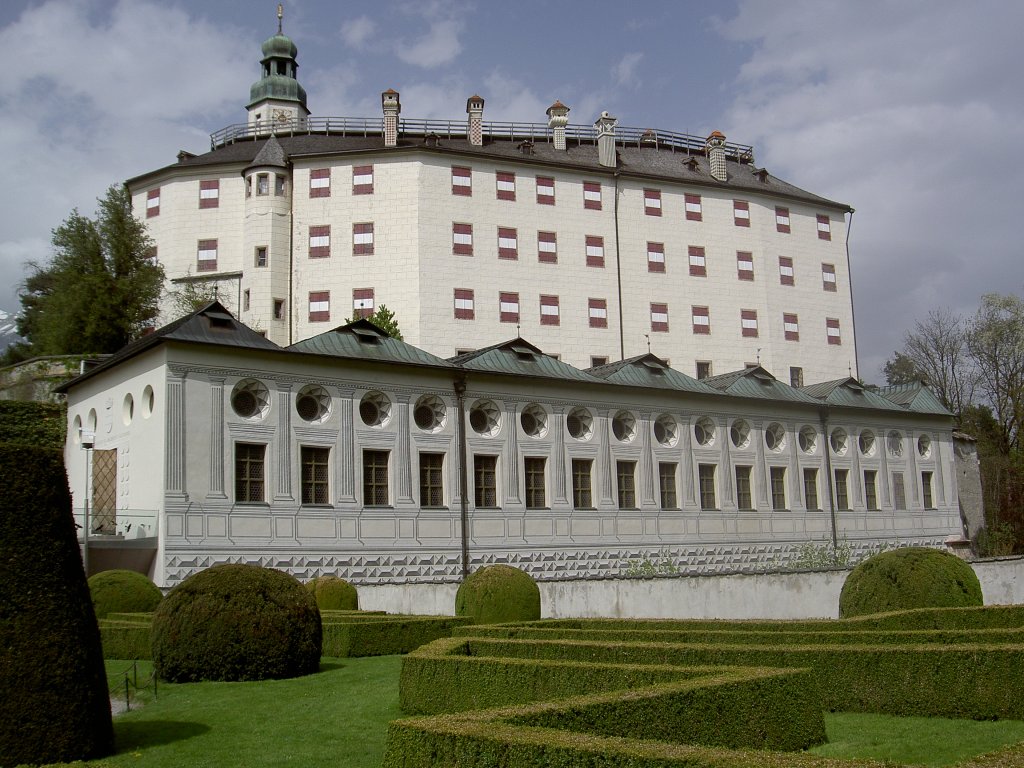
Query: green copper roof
column 279, row 87
column 362, row 340
column 520, row 358
column 757, row 383
column 648, row 371
column 916, row 397
column 279, row 45
column 850, row 393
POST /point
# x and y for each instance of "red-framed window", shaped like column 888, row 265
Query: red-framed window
column 832, row 331
column 549, row 312
column 362, row 239
column 786, row 274
column 741, row 213
column 744, row 265
column 508, row 307
column 362, row 302
column 508, row 243
column 153, row 203
column 545, row 190
column 209, row 193
column 659, row 317
column 824, row 227
column 462, row 181
column 748, row 322
column 782, row 219
column 465, row 306
column 362, row 180
column 319, row 306
column 655, row 257
column 595, row 251
column 828, row 277
column 698, row 261
column 320, row 182
column 694, row 208
column 506, row 185
column 462, row 239
column 652, row 202
column 547, row 247
column 592, row 195
column 597, row 310
column 701, row 320
column 320, row 241
column 206, row 256
column 791, row 326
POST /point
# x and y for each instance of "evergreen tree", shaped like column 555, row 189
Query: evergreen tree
column 384, row 319
column 101, row 289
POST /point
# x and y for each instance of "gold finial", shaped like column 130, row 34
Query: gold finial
column 280, row 15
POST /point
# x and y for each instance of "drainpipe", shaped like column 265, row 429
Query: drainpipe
column 853, row 312
column 291, row 256
column 826, row 446
column 618, row 272
column 460, row 402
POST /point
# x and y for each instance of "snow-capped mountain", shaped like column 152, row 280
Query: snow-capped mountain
column 8, row 329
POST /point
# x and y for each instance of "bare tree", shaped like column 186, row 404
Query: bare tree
column 937, row 350
column 995, row 338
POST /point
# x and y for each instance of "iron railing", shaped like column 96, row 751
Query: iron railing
column 452, row 129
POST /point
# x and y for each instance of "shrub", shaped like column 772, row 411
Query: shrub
column 496, row 594
column 375, row 635
column 55, row 705
column 120, row 591
column 236, row 622
column 915, row 577
column 333, row 594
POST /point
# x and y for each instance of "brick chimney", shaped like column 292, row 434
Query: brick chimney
column 389, row 101
column 475, row 110
column 558, row 118
column 715, row 147
column 605, row 126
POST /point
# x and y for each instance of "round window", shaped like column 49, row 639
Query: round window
column 704, row 431
column 839, row 441
column 739, row 433
column 375, row 409
column 579, row 423
column 808, row 439
column 313, row 404
column 623, row 426
column 430, row 413
column 534, row 420
column 775, row 437
column 666, row 430
column 128, row 409
column 485, row 418
column 894, row 442
column 250, row 399
column 866, row 442
column 924, row 446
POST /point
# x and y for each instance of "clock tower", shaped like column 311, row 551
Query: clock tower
column 277, row 103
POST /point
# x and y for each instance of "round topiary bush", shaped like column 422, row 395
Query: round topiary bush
column 496, row 594
column 333, row 594
column 120, row 591
column 54, row 704
column 902, row 579
column 236, row 622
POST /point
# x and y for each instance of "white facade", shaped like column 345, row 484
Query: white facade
column 444, row 229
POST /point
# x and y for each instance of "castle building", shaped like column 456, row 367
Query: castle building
column 598, row 242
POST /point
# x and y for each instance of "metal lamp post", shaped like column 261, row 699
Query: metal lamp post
column 88, row 442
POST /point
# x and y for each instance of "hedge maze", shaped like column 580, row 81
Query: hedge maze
column 697, row 693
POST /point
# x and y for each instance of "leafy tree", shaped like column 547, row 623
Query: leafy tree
column 936, row 352
column 101, row 289
column 995, row 338
column 384, row 319
column 901, row 369
column 192, row 295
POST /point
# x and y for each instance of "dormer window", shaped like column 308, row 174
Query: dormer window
column 263, row 184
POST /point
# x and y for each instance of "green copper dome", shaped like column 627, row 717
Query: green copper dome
column 280, row 68
column 279, row 45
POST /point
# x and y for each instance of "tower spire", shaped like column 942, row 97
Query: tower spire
column 280, row 15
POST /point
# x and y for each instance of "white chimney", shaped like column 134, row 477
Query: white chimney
column 558, row 118
column 605, row 126
column 392, row 107
column 715, row 147
column 475, row 110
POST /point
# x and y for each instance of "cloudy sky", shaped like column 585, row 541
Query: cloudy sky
column 912, row 112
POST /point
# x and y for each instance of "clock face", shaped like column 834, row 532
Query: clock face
column 281, row 115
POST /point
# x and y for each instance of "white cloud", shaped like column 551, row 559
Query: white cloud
column 358, row 32
column 624, row 72
column 906, row 112
column 439, row 45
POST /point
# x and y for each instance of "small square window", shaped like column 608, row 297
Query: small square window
column 545, row 190
column 375, row 478
column 598, row 312
column 464, row 304
column 462, row 181
column 701, row 320
column 260, row 258
column 786, row 275
column 320, row 241
column 209, row 193
column 320, row 182
column 315, row 475
column 319, row 306
column 703, row 369
column 592, row 195
column 652, row 202
column 485, row 482
column 796, row 376
column 698, row 262
column 250, row 473
column 744, row 265
column 508, row 307
column 791, row 326
column 431, row 479
column 363, row 302
column 506, row 185
column 362, row 180
column 598, row 360
column 595, row 251
column 824, row 227
column 462, row 239
column 245, row 300
column 549, row 314
column 582, row 492
column 153, row 203
column 655, row 257
column 748, row 322
column 508, row 243
column 547, row 247
column 828, row 277
column 694, row 208
column 279, row 309
column 741, row 213
column 533, row 471
column 262, row 184
column 362, row 239
column 782, row 219
column 206, row 256
column 659, row 317
column 832, row 331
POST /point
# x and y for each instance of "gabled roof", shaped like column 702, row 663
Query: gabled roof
column 362, row 340
column 520, row 358
column 756, row 382
column 211, row 324
column 849, row 393
column 915, row 396
column 648, row 370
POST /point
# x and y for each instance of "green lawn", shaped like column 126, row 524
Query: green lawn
column 335, row 718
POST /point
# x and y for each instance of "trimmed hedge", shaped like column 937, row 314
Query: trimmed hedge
column 33, row 423
column 915, row 577
column 55, row 705
column 357, row 635
column 120, row 591
column 236, row 622
column 496, row 594
column 333, row 594
column 126, row 639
